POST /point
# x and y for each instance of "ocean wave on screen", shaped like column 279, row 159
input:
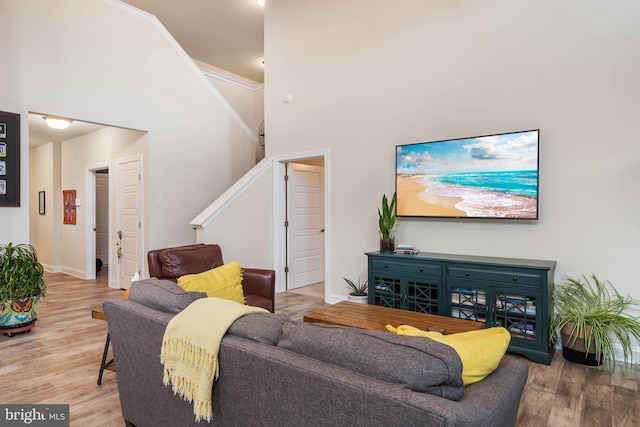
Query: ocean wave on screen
column 477, row 202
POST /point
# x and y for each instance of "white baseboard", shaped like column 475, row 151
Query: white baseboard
column 51, row 268
column 74, row 272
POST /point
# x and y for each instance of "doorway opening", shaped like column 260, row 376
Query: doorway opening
column 101, row 228
column 302, row 223
column 80, row 158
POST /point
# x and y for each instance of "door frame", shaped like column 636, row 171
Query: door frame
column 90, row 220
column 280, row 212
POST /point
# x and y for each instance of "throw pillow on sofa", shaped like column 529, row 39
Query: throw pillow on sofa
column 220, row 282
column 480, row 351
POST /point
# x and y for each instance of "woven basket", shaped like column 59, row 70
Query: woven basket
column 580, row 343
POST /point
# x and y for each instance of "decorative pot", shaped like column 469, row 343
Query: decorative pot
column 387, row 245
column 362, row 299
column 18, row 315
column 576, row 350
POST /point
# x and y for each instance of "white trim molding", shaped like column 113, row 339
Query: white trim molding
column 227, row 79
column 226, row 198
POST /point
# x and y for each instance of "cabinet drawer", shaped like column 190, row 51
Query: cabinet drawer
column 407, row 268
column 516, row 277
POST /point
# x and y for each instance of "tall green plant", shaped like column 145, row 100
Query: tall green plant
column 597, row 311
column 21, row 275
column 387, row 217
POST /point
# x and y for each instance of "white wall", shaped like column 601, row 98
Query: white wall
column 44, row 230
column 244, row 227
column 97, row 61
column 366, row 78
column 79, row 155
column 244, row 95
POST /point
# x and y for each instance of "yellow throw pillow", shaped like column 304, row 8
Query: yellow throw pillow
column 221, row 282
column 480, row 351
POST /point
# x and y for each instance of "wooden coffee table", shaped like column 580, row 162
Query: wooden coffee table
column 376, row 318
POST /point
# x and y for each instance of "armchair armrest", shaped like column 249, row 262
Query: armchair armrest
column 259, row 287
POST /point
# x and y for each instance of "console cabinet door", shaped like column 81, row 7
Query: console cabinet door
column 406, row 285
column 470, row 302
column 385, row 289
column 422, row 294
column 517, row 311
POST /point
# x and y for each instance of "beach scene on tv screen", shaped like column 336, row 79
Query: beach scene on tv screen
column 492, row 176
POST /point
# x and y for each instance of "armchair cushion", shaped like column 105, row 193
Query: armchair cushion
column 220, row 282
column 176, row 262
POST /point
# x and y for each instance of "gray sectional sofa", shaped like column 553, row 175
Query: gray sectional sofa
column 276, row 372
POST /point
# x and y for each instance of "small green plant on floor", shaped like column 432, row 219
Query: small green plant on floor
column 357, row 289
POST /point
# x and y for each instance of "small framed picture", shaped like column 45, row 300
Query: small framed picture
column 41, row 208
column 3, row 130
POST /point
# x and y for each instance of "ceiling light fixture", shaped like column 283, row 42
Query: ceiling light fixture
column 260, row 2
column 56, row 123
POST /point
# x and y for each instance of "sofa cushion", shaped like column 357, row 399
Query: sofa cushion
column 193, row 259
column 221, row 282
column 261, row 327
column 418, row 364
column 162, row 295
column 480, row 351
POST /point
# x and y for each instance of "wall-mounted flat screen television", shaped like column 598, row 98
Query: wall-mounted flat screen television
column 489, row 177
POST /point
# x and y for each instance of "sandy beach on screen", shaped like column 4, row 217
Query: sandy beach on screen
column 414, row 201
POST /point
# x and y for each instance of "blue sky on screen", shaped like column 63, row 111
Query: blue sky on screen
column 505, row 152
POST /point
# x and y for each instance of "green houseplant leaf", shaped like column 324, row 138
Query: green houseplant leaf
column 592, row 311
column 21, row 275
column 387, row 217
column 357, row 289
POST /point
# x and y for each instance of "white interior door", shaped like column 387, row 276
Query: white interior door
column 305, row 231
column 129, row 228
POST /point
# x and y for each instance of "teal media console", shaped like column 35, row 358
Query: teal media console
column 508, row 292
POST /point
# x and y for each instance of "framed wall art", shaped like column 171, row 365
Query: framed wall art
column 9, row 159
column 41, row 210
column 69, row 203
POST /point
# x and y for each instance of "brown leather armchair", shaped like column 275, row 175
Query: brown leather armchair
column 258, row 285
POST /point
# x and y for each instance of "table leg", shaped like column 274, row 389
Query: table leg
column 104, row 364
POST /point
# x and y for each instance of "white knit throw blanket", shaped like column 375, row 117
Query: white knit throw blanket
column 190, row 349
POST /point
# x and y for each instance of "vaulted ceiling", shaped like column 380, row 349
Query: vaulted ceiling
column 227, row 34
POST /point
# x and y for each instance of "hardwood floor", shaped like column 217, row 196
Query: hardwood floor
column 58, row 361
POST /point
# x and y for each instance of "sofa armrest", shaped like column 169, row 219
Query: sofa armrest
column 500, row 390
column 260, row 283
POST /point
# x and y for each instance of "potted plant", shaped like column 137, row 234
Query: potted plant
column 589, row 314
column 21, row 285
column 358, row 291
column 386, row 221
